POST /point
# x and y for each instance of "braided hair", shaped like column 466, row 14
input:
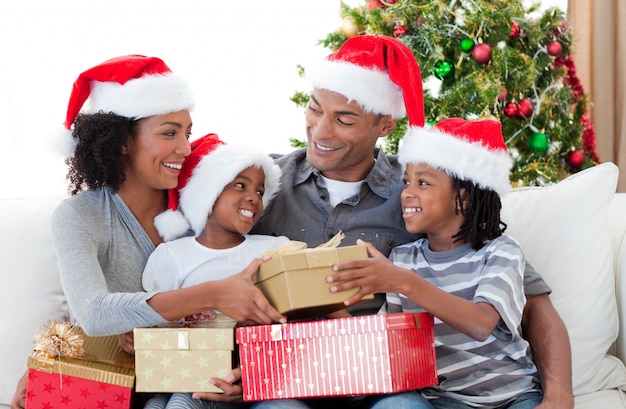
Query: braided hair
column 481, row 209
column 98, row 160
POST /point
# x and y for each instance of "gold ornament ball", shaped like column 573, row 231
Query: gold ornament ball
column 348, row 28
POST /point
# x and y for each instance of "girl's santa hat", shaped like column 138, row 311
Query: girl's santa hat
column 211, row 165
column 469, row 150
column 133, row 86
column 378, row 72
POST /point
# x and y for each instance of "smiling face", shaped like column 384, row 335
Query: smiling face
column 429, row 206
column 236, row 210
column 341, row 136
column 156, row 153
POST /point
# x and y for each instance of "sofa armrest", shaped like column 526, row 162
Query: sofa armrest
column 617, row 226
column 30, row 288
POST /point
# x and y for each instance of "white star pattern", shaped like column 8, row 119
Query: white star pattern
column 162, row 367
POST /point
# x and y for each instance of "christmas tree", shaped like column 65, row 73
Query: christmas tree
column 490, row 58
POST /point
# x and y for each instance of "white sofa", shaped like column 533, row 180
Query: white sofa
column 572, row 232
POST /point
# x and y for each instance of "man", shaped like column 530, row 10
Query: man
column 342, row 182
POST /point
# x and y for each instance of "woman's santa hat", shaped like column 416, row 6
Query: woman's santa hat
column 132, row 86
column 469, row 150
column 378, row 72
column 211, row 165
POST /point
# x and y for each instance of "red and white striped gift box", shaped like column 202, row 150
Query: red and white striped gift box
column 364, row 355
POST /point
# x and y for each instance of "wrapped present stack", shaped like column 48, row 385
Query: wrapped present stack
column 363, row 355
column 68, row 369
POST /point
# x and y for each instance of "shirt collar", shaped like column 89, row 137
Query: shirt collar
column 379, row 179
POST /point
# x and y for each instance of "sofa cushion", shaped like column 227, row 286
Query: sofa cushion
column 30, row 288
column 563, row 229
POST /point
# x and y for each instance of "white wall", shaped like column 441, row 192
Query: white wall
column 239, row 56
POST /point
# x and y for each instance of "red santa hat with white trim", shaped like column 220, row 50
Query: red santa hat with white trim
column 133, row 86
column 378, row 72
column 469, row 150
column 211, row 165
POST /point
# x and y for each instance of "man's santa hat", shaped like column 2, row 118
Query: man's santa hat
column 211, row 165
column 132, row 86
column 469, row 150
column 378, row 72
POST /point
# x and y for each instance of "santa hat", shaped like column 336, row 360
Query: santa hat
column 211, row 165
column 133, row 86
column 469, row 150
column 378, row 72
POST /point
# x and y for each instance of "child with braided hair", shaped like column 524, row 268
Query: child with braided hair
column 465, row 271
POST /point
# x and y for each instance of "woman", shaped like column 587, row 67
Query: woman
column 130, row 142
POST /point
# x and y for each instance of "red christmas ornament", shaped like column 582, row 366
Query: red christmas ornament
column 510, row 110
column 515, row 30
column 482, row 53
column 575, row 159
column 554, row 48
column 525, row 108
column 374, row 4
column 399, row 30
column 504, row 93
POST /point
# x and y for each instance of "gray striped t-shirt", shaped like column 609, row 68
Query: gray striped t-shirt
column 480, row 373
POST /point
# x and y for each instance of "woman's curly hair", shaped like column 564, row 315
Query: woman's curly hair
column 482, row 213
column 98, row 160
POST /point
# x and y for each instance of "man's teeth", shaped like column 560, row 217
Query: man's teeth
column 178, row 166
column 324, row 148
column 246, row 213
column 412, row 209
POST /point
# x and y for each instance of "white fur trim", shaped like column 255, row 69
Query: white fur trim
column 372, row 89
column 140, row 97
column 171, row 224
column 62, row 142
column 214, row 172
column 459, row 157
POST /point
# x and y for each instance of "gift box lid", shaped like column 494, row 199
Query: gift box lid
column 103, row 361
column 94, row 371
column 334, row 327
column 217, row 334
column 309, row 259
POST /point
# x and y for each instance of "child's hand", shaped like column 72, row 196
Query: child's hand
column 371, row 274
column 243, row 301
column 231, row 385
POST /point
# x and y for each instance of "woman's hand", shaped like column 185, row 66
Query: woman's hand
column 19, row 398
column 231, row 385
column 127, row 342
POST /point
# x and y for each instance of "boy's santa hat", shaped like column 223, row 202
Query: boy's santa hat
column 469, row 150
column 378, row 72
column 133, row 86
column 211, row 165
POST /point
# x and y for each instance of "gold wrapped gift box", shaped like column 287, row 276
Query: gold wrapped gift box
column 295, row 283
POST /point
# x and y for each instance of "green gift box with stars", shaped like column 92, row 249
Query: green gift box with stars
column 183, row 357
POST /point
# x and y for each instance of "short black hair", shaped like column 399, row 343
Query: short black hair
column 98, row 160
column 481, row 208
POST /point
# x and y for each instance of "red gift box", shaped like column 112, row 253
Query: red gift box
column 383, row 353
column 103, row 378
